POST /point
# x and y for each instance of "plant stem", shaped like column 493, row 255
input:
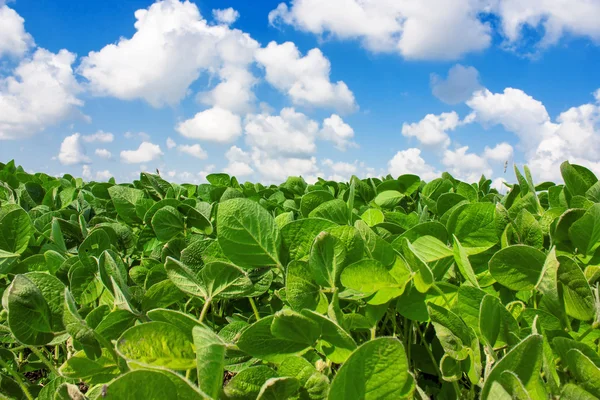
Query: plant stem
column 373, row 332
column 584, row 334
column 43, row 359
column 253, row 304
column 437, row 368
column 204, row 309
column 17, row 378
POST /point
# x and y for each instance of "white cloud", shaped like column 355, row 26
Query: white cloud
column 171, row 47
column 341, row 171
column 499, row 185
column 409, row 161
column 194, row 150
column 145, row 153
column 14, row 40
column 41, row 92
column 100, row 136
column 458, row 86
column 276, row 169
column 209, row 169
column 215, row 124
column 234, row 93
column 290, row 133
column 226, row 16
column 143, row 136
column 171, row 143
column 72, row 151
column 337, row 131
column 86, row 173
column 466, row 166
column 239, row 162
column 431, row 130
column 103, row 153
column 502, row 152
column 103, row 175
column 440, row 29
column 436, row 29
column 305, row 79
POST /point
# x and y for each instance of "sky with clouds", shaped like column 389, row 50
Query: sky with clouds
column 264, row 90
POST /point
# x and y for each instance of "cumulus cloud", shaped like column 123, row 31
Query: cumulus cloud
column 103, row 176
column 42, row 91
column 103, row 153
column 502, row 152
column 305, row 79
column 14, row 40
column 440, row 29
column 409, row 161
column 193, row 150
column 145, row 153
column 143, row 136
column 276, row 169
column 458, row 87
column 86, row 173
column 239, row 162
column 226, row 16
column 340, row 171
column 171, row 143
column 215, row 125
column 466, row 166
column 172, row 45
column 337, row 131
column 72, row 151
column 431, row 131
column 100, row 136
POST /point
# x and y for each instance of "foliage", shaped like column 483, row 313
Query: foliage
column 369, row 289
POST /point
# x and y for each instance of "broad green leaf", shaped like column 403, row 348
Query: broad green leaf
column 184, row 278
column 497, row 323
column 388, row 199
column 332, row 210
column 578, row 179
column 16, row 229
column 462, row 262
column 167, row 223
column 577, row 294
column 312, row 200
column 372, row 217
column 157, row 344
column 248, row 234
column 100, row 370
column 517, row 267
column 210, row 358
column 161, row 294
column 370, row 277
column 452, row 332
column 124, row 199
column 151, row 384
column 258, row 341
column 278, row 388
column 327, row 258
column 430, row 249
column 300, row 287
column 291, row 325
column 525, row 361
column 573, row 392
column 313, row 384
column 223, row 281
column 474, row 225
column 585, row 371
column 298, row 236
column 334, row 342
column 423, row 278
column 78, row 328
column 247, row 384
column 375, row 247
column 376, row 370
column 585, row 232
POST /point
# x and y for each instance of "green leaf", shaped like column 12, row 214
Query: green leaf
column 335, row 343
column 100, row 370
column 29, row 317
column 16, row 229
column 423, row 278
column 210, row 358
column 375, row 247
column 78, row 328
column 124, row 199
column 388, row 199
column 577, row 294
column 247, row 384
column 372, row 217
column 497, row 323
column 258, row 341
column 157, row 344
column 278, row 388
column 298, row 236
column 585, row 232
column 453, row 333
column 184, row 278
column 300, row 287
column 327, row 258
column 430, row 249
column 312, row 200
column 151, row 384
column 462, row 262
column 370, row 277
column 248, row 234
column 376, row 370
column 474, row 225
column 525, row 361
column 517, row 267
column 332, row 210
column 585, row 371
column 167, row 223
column 223, row 281
column 578, row 179
column 314, row 384
column 291, row 325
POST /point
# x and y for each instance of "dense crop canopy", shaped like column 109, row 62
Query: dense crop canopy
column 369, row 289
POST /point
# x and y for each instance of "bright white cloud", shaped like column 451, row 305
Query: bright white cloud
column 234, row 93
column 341, row 171
column 239, row 162
column 290, row 133
column 337, row 131
column 171, row 143
column 100, row 136
column 103, row 176
column 502, row 152
column 466, row 166
column 409, row 161
column 143, row 136
column 173, row 44
column 103, row 153
column 193, row 150
column 304, row 78
column 458, row 87
column 431, row 131
column 440, row 29
column 14, row 40
column 42, row 91
column 215, row 125
column 145, row 153
column 226, row 16
column 276, row 169
column 72, row 151
column 86, row 173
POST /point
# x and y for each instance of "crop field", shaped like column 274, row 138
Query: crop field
column 390, row 288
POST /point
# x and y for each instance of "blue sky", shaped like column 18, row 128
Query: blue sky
column 268, row 89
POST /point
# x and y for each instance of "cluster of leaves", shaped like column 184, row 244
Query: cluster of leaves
column 370, row 289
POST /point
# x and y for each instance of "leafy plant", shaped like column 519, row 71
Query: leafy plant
column 389, row 288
